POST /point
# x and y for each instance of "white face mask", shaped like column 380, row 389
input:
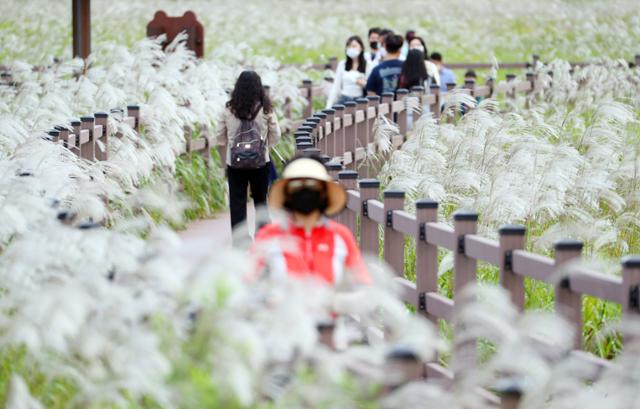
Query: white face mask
column 419, row 48
column 353, row 52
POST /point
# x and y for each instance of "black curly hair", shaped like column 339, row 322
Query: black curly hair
column 248, row 96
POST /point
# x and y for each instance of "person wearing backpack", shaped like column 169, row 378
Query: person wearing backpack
column 248, row 128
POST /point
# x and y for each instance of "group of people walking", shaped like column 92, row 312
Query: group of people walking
column 306, row 243
column 392, row 62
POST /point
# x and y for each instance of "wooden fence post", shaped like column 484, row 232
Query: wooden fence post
column 87, row 150
column 308, row 108
column 134, row 111
column 426, row 255
column 362, row 128
column 401, row 95
column 416, row 92
column 349, row 180
column 387, row 98
column 637, row 60
column 63, row 136
column 334, row 168
column 568, row 303
column 320, row 129
column 102, row 149
column 435, row 107
column 76, row 124
column 338, row 136
column 511, row 81
column 350, row 135
column 464, row 269
column 329, row 132
column 631, row 281
column 511, row 238
column 368, row 227
column 393, row 240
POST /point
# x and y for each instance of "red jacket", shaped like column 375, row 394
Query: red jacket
column 327, row 252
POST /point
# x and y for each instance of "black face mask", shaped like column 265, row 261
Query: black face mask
column 374, row 45
column 306, row 201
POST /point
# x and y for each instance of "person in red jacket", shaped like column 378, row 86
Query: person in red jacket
column 306, row 244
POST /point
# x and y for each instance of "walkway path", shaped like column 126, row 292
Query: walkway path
column 208, row 235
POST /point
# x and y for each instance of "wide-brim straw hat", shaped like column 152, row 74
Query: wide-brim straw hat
column 306, row 168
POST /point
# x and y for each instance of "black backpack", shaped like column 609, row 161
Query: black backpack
column 248, row 150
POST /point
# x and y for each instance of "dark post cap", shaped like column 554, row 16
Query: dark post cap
column 329, row 111
column 434, row 86
column 53, row 132
column 393, row 194
column 362, row 100
column 133, row 107
column 508, row 387
column 402, row 91
column 114, row 110
column 338, row 107
column 265, row 86
column 369, row 183
column 332, row 165
column 465, row 215
column 529, row 75
column 550, row 73
column 307, row 82
column 632, row 261
column 312, row 125
column 511, row 76
column 387, row 94
column 307, row 129
column 426, row 204
column 313, row 119
column 303, row 139
column 512, row 230
column 324, row 158
column 417, row 88
column 535, row 57
column 311, row 151
column 350, row 104
column 568, row 244
column 304, row 145
column 469, row 82
column 321, row 115
column 101, row 115
column 451, row 84
column 60, row 128
column 75, row 122
column 373, row 98
column 87, row 119
column 403, row 353
column 301, row 133
column 347, row 174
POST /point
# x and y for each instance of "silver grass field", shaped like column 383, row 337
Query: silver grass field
column 114, row 316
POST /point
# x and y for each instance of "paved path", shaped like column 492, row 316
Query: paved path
column 209, row 235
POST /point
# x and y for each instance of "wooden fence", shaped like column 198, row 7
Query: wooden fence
column 344, row 134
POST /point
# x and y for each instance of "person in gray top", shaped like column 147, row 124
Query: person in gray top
column 247, row 128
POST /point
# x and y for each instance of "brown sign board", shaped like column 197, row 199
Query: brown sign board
column 172, row 26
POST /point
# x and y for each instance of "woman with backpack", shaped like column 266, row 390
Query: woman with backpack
column 248, row 128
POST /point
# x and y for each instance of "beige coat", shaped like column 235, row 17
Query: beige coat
column 229, row 124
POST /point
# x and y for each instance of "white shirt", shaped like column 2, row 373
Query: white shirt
column 433, row 72
column 345, row 83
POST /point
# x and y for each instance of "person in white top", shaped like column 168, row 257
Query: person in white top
column 417, row 43
column 351, row 74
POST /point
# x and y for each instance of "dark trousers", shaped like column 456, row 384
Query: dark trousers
column 239, row 179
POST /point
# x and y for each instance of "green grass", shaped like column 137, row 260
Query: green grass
column 203, row 184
